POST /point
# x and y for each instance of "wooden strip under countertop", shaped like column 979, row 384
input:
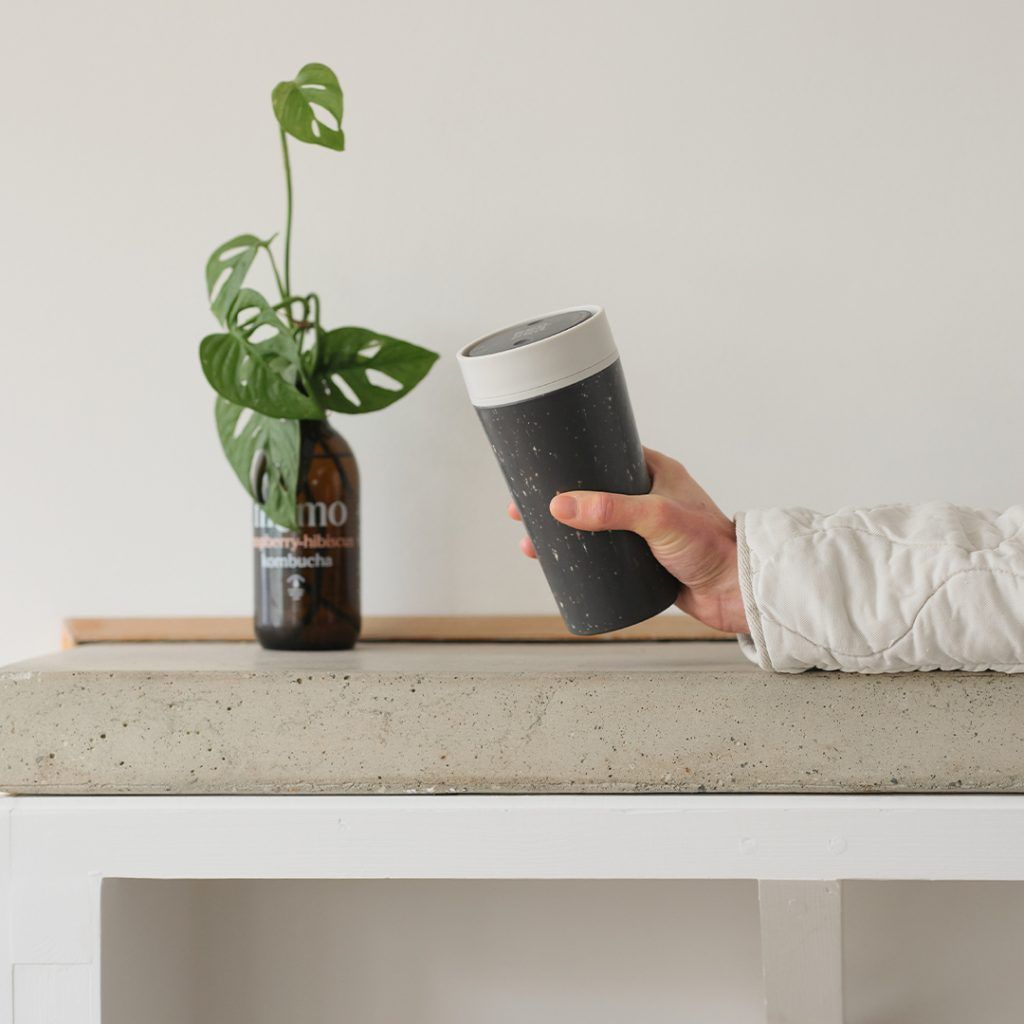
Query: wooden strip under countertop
column 401, row 628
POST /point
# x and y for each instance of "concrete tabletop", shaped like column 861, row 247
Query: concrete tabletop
column 675, row 717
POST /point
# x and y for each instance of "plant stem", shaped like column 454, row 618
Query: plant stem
column 314, row 300
column 287, row 290
column 288, row 222
column 286, row 303
column 277, row 275
column 307, row 383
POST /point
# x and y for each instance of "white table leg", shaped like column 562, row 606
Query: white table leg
column 6, row 968
column 53, row 994
column 802, row 952
column 50, row 939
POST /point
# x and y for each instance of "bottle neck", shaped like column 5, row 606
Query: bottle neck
column 317, row 430
column 319, row 440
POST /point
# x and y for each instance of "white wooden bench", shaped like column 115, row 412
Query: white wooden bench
column 488, row 761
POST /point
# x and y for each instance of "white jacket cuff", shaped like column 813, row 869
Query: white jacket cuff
column 890, row 589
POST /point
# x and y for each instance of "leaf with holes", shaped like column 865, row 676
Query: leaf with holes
column 226, row 270
column 264, row 453
column 241, row 373
column 250, row 311
column 358, row 370
column 296, row 103
column 252, row 316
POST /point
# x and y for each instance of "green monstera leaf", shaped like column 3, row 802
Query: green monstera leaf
column 296, row 103
column 264, row 453
column 359, row 370
column 251, row 310
column 251, row 314
column 226, row 270
column 257, row 375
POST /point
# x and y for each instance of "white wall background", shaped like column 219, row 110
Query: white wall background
column 805, row 219
column 431, row 952
column 564, row 952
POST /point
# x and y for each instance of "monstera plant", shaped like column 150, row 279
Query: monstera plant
column 273, row 363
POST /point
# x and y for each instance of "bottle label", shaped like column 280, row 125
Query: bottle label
column 305, row 548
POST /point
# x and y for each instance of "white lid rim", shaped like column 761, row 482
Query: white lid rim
column 548, row 388
column 514, row 375
column 594, row 311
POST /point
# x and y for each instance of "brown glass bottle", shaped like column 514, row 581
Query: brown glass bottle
column 307, row 580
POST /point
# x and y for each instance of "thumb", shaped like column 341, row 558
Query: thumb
column 650, row 515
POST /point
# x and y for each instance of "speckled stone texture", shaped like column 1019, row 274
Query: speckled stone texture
column 593, row 717
column 582, row 437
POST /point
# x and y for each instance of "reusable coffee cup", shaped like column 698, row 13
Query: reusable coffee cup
column 552, row 399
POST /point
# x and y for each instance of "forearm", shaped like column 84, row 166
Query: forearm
column 889, row 589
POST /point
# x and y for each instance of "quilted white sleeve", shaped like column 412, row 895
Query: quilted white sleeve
column 890, row 589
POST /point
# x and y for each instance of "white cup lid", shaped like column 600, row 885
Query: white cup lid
column 537, row 356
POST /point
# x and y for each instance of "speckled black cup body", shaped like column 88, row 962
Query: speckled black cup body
column 582, row 437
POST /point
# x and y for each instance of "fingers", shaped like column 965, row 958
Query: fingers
column 671, row 479
column 655, row 460
column 525, row 544
column 653, row 517
column 663, row 468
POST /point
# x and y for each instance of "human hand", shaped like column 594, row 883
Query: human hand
column 685, row 530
